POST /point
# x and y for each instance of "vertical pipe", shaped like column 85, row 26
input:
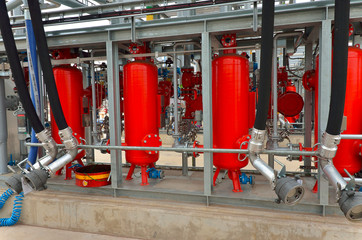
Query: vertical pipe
column 325, row 74
column 94, row 103
column 3, row 130
column 175, row 107
column 33, row 76
column 184, row 164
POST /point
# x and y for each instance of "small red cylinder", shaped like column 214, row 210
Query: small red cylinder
column 140, row 110
column 230, row 87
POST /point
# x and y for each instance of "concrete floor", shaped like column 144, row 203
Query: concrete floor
column 40, row 233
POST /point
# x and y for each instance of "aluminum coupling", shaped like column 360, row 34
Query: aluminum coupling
column 256, row 142
column 329, row 146
column 68, row 139
column 45, row 137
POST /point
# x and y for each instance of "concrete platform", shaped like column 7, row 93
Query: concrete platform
column 161, row 219
column 39, row 233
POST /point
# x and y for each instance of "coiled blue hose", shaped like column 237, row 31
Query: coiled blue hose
column 15, row 214
column 5, row 196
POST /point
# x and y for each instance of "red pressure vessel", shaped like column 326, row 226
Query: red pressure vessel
column 230, row 87
column 69, row 82
column 347, row 156
column 140, row 114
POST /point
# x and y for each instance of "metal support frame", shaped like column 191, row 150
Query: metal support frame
column 325, row 74
column 207, row 112
column 114, row 113
column 308, row 108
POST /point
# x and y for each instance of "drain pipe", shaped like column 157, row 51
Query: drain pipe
column 42, row 134
column 287, row 189
column 349, row 201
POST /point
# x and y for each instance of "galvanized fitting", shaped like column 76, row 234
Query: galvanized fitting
column 68, row 139
column 50, row 146
column 351, row 205
column 289, row 190
column 256, row 142
column 329, row 145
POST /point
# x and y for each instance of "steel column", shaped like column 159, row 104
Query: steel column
column 207, row 110
column 308, row 107
column 325, row 74
column 114, row 111
column 3, row 130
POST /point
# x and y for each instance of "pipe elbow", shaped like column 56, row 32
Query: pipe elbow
column 71, row 145
column 48, row 143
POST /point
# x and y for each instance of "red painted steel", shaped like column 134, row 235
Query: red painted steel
column 347, row 156
column 69, row 82
column 230, row 86
column 141, row 113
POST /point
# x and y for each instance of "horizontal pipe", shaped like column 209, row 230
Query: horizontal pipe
column 140, row 12
column 173, row 149
column 357, row 180
column 351, row 136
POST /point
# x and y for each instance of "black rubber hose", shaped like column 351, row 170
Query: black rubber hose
column 340, row 61
column 43, row 52
column 267, row 31
column 17, row 71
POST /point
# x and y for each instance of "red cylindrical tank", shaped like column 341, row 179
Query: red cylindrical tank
column 140, row 114
column 252, row 108
column 347, row 156
column 230, row 87
column 69, row 82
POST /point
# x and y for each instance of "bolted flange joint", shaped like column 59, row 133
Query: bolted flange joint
column 68, row 139
column 256, row 142
column 329, row 146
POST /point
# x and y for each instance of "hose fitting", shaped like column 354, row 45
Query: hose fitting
column 256, row 142
column 48, row 143
column 68, row 139
column 328, row 147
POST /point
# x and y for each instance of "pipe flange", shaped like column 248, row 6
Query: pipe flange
column 257, row 140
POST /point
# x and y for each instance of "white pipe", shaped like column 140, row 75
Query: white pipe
column 64, row 160
column 351, row 136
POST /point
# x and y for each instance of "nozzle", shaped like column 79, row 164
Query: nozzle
column 351, row 205
column 289, row 190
